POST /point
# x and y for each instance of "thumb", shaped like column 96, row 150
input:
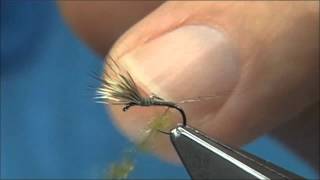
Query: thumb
column 190, row 49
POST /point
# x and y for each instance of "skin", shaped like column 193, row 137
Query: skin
column 274, row 84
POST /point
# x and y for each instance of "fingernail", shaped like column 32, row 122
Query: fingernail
column 190, row 61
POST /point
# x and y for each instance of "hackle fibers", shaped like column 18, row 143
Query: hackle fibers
column 118, row 87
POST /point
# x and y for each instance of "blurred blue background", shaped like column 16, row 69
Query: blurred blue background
column 50, row 126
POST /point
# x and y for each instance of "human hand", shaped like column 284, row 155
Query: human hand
column 266, row 54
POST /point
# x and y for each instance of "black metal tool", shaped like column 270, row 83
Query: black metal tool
column 205, row 158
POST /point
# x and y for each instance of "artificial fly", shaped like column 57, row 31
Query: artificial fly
column 119, row 88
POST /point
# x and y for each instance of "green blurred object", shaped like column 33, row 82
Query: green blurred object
column 162, row 123
column 122, row 169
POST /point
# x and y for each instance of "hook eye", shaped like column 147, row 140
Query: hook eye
column 127, row 106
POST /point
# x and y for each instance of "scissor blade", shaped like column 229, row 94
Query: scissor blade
column 205, row 158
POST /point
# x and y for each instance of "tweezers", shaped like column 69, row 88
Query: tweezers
column 206, row 158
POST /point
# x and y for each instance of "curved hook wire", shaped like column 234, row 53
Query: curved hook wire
column 166, row 104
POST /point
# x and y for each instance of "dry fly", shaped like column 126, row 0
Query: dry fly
column 119, row 88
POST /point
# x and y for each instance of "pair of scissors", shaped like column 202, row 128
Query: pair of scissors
column 206, row 158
